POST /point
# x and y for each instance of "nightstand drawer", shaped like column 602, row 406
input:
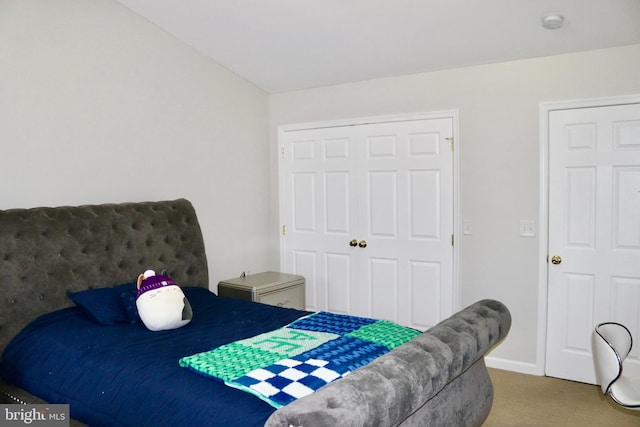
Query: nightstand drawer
column 281, row 289
column 291, row 297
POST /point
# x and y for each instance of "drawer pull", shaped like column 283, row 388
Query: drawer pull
column 283, row 303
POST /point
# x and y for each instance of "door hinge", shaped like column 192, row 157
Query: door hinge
column 451, row 140
column 282, row 152
column 452, row 240
column 284, row 230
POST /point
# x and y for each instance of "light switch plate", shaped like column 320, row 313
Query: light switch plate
column 527, row 228
column 467, row 227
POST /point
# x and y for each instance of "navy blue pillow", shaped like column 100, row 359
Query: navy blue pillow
column 108, row 306
column 102, row 305
column 127, row 297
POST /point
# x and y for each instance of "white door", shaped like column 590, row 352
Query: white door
column 594, row 233
column 368, row 211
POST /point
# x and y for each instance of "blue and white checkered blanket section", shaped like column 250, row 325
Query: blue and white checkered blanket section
column 289, row 379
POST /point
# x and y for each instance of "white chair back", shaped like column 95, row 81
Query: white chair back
column 611, row 344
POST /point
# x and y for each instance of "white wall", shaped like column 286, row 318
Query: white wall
column 98, row 105
column 499, row 143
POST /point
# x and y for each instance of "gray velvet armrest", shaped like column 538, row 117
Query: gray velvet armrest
column 391, row 388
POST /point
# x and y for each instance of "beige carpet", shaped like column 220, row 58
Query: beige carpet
column 527, row 400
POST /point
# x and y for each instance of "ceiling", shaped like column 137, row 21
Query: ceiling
column 285, row 45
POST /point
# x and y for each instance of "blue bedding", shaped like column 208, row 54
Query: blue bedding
column 126, row 375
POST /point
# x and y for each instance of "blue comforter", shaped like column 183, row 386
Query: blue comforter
column 126, row 375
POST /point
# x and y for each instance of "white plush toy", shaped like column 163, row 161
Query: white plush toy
column 161, row 303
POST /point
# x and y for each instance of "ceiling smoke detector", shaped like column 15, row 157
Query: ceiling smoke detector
column 552, row 21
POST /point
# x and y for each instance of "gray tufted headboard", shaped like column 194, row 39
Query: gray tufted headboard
column 45, row 252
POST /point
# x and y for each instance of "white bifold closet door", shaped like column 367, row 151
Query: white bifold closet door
column 367, row 216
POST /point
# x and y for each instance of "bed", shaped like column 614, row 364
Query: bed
column 114, row 372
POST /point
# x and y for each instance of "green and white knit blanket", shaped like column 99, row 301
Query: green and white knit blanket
column 296, row 360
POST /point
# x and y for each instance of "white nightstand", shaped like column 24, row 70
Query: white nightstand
column 281, row 289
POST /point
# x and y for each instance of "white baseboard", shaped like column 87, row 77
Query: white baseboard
column 510, row 365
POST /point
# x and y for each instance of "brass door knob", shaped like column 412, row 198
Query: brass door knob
column 556, row 259
column 362, row 244
column 354, row 243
